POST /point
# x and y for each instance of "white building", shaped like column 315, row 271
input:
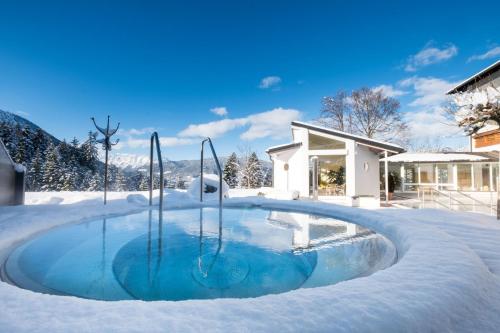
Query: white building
column 326, row 163
column 474, row 171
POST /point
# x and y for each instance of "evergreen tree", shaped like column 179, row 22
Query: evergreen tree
column 21, row 135
column 89, row 152
column 95, row 183
column 35, row 172
column 120, row 181
column 51, row 170
column 251, row 175
column 231, row 169
column 144, row 183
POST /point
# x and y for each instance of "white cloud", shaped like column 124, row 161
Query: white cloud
column 487, row 55
column 430, row 123
column 164, row 142
column 136, row 132
column 389, row 91
column 428, row 120
column 219, row 110
column 274, row 123
column 212, row 129
column 270, row 82
column 429, row 91
column 430, row 55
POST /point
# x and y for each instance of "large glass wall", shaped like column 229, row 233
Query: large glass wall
column 331, row 175
column 427, row 173
column 469, row 176
column 464, row 177
column 317, row 142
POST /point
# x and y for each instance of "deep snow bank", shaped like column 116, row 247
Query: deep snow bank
column 439, row 284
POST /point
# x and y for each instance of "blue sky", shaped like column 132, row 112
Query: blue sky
column 164, row 66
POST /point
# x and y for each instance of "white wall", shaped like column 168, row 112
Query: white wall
column 367, row 181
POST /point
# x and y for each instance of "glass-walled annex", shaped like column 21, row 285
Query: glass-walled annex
column 474, row 177
column 330, row 178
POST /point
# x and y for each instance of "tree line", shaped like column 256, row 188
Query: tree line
column 246, row 172
column 53, row 165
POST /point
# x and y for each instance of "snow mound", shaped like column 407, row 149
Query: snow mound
column 211, row 186
column 137, row 199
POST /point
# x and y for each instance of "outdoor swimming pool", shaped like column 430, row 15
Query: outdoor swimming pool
column 200, row 253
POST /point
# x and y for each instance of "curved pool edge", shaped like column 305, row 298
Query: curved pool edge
column 387, row 293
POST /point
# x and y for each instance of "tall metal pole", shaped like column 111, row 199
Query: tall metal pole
column 498, row 190
column 106, row 144
column 386, row 172
column 201, row 172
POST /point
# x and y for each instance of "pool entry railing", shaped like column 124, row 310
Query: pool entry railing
column 155, row 140
column 219, row 170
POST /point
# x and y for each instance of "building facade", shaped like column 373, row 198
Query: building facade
column 321, row 162
column 473, row 171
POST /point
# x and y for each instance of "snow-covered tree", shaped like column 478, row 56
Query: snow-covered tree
column 21, row 154
column 251, row 174
column 95, row 182
column 231, row 169
column 120, row 181
column 89, row 152
column 51, row 170
column 144, row 183
column 35, row 172
column 476, row 109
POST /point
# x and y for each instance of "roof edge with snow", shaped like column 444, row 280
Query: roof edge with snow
column 283, row 147
column 359, row 139
column 462, row 86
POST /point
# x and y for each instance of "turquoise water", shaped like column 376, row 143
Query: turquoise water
column 196, row 254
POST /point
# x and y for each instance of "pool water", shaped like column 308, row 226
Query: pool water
column 201, row 253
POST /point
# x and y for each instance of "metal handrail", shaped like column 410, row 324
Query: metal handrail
column 154, row 139
column 219, row 170
column 480, row 203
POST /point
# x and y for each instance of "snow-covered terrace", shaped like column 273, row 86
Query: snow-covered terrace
column 447, row 278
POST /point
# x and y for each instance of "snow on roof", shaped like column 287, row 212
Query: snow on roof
column 283, row 147
column 358, row 138
column 488, row 70
column 439, row 157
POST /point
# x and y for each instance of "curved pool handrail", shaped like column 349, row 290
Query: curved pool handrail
column 154, row 139
column 219, row 169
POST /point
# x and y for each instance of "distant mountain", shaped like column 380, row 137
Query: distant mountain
column 182, row 168
column 10, row 119
column 80, row 166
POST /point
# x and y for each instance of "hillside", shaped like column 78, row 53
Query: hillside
column 53, row 164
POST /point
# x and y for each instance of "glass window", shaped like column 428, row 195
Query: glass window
column 426, row 173
column 445, row 173
column 410, row 174
column 317, row 142
column 482, row 177
column 331, row 175
column 464, row 174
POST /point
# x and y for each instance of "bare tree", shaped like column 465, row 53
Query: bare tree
column 336, row 112
column 365, row 112
column 377, row 116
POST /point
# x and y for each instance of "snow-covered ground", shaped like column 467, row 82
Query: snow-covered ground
column 447, row 278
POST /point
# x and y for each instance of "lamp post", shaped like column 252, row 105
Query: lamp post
column 106, row 145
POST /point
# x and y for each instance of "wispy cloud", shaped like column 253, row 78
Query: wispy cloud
column 428, row 119
column 219, row 110
column 494, row 52
column 430, row 55
column 212, row 129
column 135, row 131
column 274, row 123
column 389, row 90
column 134, row 138
column 428, row 91
column 270, row 82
